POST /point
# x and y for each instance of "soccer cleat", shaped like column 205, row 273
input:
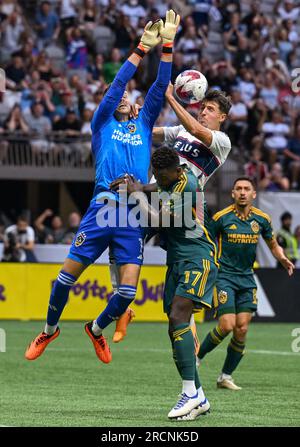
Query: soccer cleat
column 39, row 344
column 196, row 339
column 121, row 325
column 202, row 409
column 100, row 344
column 185, row 405
column 227, row 383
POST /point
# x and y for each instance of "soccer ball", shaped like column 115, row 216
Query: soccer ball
column 190, row 86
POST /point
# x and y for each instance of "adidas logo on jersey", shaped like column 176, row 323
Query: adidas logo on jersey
column 233, row 227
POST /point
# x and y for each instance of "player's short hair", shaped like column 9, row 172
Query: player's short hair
column 23, row 218
column 164, row 157
column 245, row 178
column 223, row 101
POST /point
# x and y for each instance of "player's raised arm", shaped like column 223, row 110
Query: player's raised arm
column 109, row 103
column 154, row 99
column 188, row 121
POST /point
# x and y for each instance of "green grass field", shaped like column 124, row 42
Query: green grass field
column 68, row 386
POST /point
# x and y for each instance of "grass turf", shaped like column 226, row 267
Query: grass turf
column 68, row 386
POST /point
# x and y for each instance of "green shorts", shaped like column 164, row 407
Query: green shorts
column 190, row 279
column 235, row 294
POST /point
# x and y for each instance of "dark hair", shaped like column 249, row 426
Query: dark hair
column 245, row 178
column 164, row 157
column 23, row 218
column 285, row 215
column 223, row 101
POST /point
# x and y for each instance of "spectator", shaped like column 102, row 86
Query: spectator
column 297, row 236
column 15, row 121
column 190, row 45
column 89, row 14
column 286, row 239
column 52, row 234
column 257, row 170
column 284, row 45
column 134, row 11
column 15, row 73
column 257, row 113
column 178, row 65
column 46, row 25
column 76, row 50
column 112, row 67
column 288, row 10
column 269, row 92
column 201, row 12
column 73, row 225
column 2, row 230
column 276, row 133
column 293, row 35
column 243, row 57
column 19, row 242
column 272, row 61
column 125, row 34
column 232, row 32
column 237, row 118
column 96, row 70
column 292, row 154
column 69, row 128
column 11, row 29
column 40, row 126
column 246, row 86
column 86, row 131
column 278, row 181
column 222, row 75
column 133, row 93
column 67, row 13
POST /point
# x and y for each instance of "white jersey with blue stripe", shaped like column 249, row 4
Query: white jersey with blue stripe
column 201, row 159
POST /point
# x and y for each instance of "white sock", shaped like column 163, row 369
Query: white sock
column 96, row 329
column 50, row 329
column 201, row 393
column 225, row 376
column 188, row 387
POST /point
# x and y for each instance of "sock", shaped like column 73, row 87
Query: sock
column 97, row 331
column 116, row 306
column 188, row 387
column 201, row 393
column 197, row 379
column 211, row 341
column 183, row 345
column 235, row 352
column 58, row 299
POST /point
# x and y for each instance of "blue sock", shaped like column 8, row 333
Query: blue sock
column 116, row 305
column 59, row 297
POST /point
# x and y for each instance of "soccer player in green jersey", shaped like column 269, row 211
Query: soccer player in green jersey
column 192, row 266
column 238, row 228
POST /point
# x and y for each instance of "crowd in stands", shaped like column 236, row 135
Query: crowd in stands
column 60, row 55
column 19, row 237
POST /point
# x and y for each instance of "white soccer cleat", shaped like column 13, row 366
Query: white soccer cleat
column 202, row 409
column 185, row 405
column 227, row 383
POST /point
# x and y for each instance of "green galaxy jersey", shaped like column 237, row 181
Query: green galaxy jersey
column 188, row 239
column 238, row 237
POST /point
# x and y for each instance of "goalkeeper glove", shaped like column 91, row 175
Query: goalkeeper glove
column 150, row 37
column 168, row 29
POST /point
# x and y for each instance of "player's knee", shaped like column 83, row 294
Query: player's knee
column 226, row 326
column 240, row 332
column 180, row 313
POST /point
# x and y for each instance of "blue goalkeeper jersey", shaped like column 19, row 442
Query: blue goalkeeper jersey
column 125, row 147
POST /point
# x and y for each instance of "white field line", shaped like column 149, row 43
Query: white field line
column 250, row 351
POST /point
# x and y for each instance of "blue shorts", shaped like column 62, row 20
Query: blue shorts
column 93, row 236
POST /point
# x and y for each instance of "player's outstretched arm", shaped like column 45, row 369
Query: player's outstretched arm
column 109, row 103
column 278, row 254
column 154, row 99
column 188, row 121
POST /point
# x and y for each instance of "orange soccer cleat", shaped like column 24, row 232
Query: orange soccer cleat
column 121, row 325
column 100, row 344
column 39, row 344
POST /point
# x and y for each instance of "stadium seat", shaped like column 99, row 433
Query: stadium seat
column 104, row 39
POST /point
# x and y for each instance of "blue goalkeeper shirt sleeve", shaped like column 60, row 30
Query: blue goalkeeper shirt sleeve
column 113, row 96
column 155, row 96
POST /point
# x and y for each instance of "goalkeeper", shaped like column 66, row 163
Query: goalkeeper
column 119, row 145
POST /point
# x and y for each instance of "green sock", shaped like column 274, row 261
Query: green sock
column 197, row 379
column 211, row 341
column 184, row 350
column 235, row 352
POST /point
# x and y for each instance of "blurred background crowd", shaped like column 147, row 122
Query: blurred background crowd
column 59, row 55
